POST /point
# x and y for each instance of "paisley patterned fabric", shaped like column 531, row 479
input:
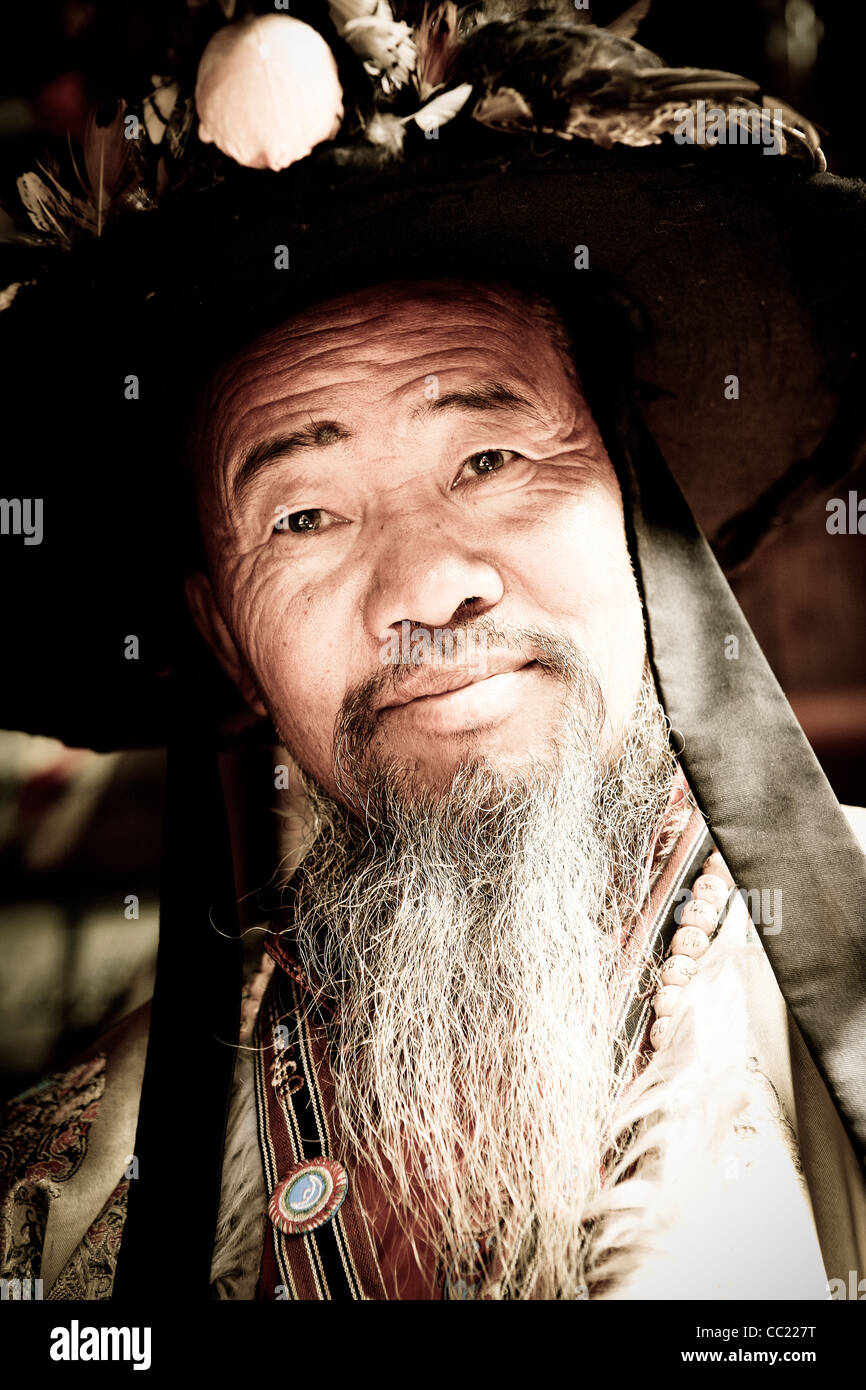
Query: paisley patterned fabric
column 43, row 1143
column 89, row 1273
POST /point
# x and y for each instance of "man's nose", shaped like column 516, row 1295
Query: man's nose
column 425, row 576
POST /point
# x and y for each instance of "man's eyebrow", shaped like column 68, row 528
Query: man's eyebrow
column 491, row 395
column 318, row 434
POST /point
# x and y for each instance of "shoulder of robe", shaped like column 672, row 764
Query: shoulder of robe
column 66, row 1145
column 836, row 1180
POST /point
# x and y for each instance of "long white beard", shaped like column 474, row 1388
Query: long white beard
column 471, row 946
column 470, row 943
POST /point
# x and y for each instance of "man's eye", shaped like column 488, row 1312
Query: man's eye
column 310, row 519
column 488, row 461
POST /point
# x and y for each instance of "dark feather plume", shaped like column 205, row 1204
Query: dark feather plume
column 589, row 83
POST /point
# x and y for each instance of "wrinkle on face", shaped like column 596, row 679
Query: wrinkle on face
column 541, row 541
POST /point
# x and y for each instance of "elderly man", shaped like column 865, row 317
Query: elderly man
column 513, row 1034
column 488, row 822
column 420, row 458
column 417, row 566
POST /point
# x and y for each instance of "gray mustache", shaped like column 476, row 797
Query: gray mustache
column 555, row 653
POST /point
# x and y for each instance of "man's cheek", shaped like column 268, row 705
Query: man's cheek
column 304, row 727
column 576, row 574
column 577, row 527
column 298, row 692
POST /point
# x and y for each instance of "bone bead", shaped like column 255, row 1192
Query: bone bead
column 658, row 1031
column 712, row 889
column 678, row 970
column 716, row 865
column 699, row 913
column 689, row 941
column 666, row 999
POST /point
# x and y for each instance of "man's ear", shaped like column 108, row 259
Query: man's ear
column 209, row 621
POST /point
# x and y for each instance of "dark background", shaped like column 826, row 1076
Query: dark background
column 80, row 831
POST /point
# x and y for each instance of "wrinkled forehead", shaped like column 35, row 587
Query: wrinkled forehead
column 380, row 341
column 389, row 318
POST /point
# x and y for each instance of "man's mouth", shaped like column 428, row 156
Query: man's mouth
column 429, row 682
column 453, row 697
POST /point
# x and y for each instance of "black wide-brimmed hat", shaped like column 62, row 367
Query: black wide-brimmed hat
column 715, row 300
column 735, row 269
column 738, row 278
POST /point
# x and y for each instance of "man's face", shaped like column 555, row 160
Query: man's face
column 399, row 462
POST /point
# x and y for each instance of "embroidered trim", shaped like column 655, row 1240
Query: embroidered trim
column 294, row 1097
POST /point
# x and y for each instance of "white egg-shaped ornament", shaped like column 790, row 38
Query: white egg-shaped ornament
column 267, row 91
